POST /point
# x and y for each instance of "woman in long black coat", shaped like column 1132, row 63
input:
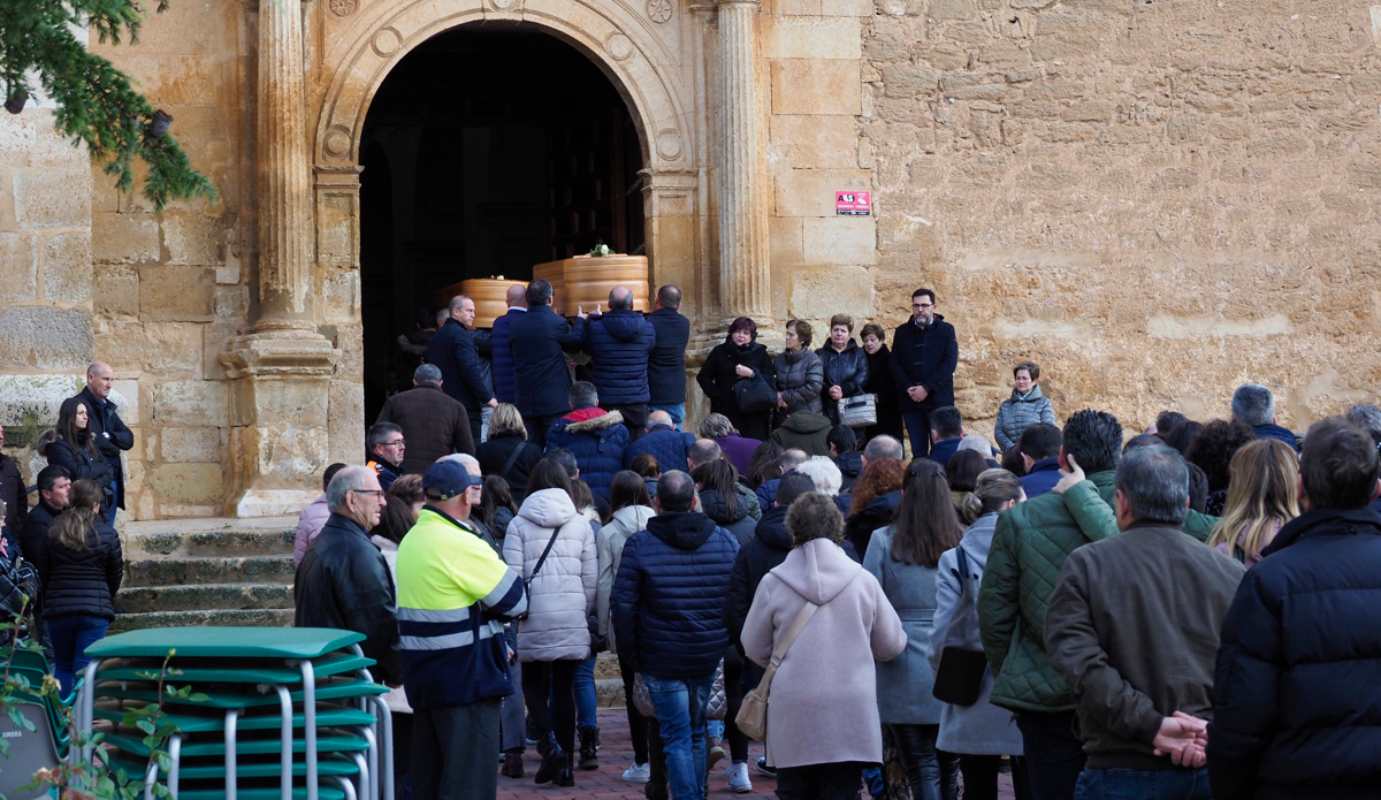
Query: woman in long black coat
column 75, row 450
column 739, row 357
column 880, row 383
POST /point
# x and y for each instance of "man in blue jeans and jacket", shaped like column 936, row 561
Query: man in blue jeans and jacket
column 668, row 615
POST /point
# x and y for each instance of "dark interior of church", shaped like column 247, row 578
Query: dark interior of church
column 488, row 149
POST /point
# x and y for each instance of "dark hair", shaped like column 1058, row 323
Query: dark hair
column 1155, row 484
column 793, row 485
column 566, row 460
column 842, row 319
column 1253, row 404
column 1338, row 465
column 1198, row 487
column 675, row 491
column 1094, row 438
column 878, row 478
column 963, row 469
column 669, row 296
column 1041, row 440
column 720, row 476
column 947, row 422
column 329, row 474
column 49, row 475
column 628, row 489
column 378, row 432
column 645, row 464
column 1142, row 440
column 583, row 394
column 495, row 495
column 1182, row 436
column 549, row 474
column 802, row 330
column 581, row 495
column 538, row 293
column 396, row 519
column 407, row 488
column 1168, row 420
column 927, row 292
column 1214, row 448
column 763, row 466
column 814, row 516
column 67, row 425
column 926, row 525
column 843, row 439
column 744, row 324
column 1012, row 461
column 1032, row 368
column 873, row 329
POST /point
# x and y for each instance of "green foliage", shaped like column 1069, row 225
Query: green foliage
column 96, row 104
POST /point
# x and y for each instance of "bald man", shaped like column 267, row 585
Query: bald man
column 619, row 343
column 110, row 433
column 505, row 384
column 463, row 375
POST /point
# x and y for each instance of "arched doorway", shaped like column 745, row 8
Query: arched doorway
column 485, row 150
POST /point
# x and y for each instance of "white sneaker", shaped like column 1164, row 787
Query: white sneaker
column 738, row 778
column 638, row 773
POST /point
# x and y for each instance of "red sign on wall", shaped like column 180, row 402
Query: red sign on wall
column 850, row 203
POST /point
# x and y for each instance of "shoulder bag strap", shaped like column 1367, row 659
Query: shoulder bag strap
column 784, row 644
column 964, row 576
column 543, row 559
column 512, row 459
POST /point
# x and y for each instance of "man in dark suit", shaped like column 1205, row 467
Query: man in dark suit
column 453, row 350
column 502, row 357
column 925, row 354
column 107, row 429
column 666, row 365
column 541, row 378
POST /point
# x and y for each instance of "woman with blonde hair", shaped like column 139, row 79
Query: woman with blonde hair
column 1263, row 495
column 507, row 452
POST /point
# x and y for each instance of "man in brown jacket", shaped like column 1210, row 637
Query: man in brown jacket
column 434, row 423
column 1134, row 623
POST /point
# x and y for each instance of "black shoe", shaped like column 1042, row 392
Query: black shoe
column 552, row 763
column 512, row 764
column 589, row 748
column 566, row 777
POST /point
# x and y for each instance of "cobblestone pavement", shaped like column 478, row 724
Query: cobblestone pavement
column 616, row 754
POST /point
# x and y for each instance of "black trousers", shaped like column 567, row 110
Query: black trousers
column 933, row 774
column 637, row 723
column 1054, row 755
column 839, row 781
column 634, row 418
column 918, row 430
column 549, row 689
column 453, row 751
column 980, row 777
column 733, row 696
column 537, row 428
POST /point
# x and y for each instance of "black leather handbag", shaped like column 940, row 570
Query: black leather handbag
column 959, row 680
column 754, row 395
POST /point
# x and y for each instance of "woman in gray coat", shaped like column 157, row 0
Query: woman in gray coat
column 903, row 557
column 980, row 733
column 800, row 373
column 1026, row 407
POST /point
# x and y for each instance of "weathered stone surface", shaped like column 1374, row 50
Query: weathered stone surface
column 810, row 192
column 816, row 86
column 40, row 392
column 816, row 141
column 18, row 268
column 117, row 291
column 166, row 349
column 66, row 269
column 346, row 416
column 187, row 483
column 840, row 240
column 52, row 198
column 189, row 403
column 193, row 239
column 817, row 294
column 125, row 238
column 191, row 444
column 39, row 338
column 812, row 37
column 183, row 294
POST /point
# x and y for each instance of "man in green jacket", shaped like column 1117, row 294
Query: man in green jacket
column 1029, row 547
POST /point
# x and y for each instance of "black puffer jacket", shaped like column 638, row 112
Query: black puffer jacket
column 494, row 454
column 847, row 370
column 768, row 548
column 81, row 583
column 344, row 582
column 800, row 379
column 82, row 463
column 878, row 513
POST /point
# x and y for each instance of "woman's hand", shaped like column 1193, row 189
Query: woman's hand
column 836, row 393
column 743, row 372
column 781, row 401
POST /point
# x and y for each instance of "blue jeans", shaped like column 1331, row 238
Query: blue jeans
column 70, row 636
column 586, row 703
column 680, row 706
column 676, row 410
column 1143, row 784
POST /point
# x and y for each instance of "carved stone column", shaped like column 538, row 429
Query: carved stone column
column 281, row 371
column 744, row 273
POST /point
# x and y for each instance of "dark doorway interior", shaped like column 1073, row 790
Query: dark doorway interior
column 485, row 151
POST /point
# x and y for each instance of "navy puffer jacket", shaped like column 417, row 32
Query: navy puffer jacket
column 505, row 384
column 665, row 443
column 541, row 379
column 619, row 343
column 666, row 368
column 1297, row 689
column 81, row 583
column 668, row 600
column 597, row 439
column 847, row 370
column 738, row 522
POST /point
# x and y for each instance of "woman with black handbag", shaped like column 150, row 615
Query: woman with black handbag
column 903, row 557
column 980, row 732
column 740, row 381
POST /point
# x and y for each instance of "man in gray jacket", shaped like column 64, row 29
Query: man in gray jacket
column 1141, row 660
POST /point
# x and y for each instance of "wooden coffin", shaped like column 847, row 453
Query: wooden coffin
column 584, row 282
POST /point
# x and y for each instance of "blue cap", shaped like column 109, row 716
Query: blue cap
column 446, row 479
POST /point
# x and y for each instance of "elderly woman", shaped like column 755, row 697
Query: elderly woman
column 800, row 375
column 738, row 449
column 739, row 357
column 845, row 365
column 1026, row 407
column 822, row 722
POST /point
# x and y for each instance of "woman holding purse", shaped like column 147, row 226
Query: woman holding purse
column 980, row 732
column 740, row 357
column 845, row 365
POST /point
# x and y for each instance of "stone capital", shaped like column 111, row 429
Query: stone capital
column 288, row 352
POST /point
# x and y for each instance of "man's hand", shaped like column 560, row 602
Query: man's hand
column 918, row 394
column 836, row 393
column 781, row 401
column 743, row 372
column 1182, row 737
column 1069, row 477
column 493, row 402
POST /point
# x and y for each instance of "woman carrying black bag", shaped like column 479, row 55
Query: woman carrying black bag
column 737, row 377
column 980, row 732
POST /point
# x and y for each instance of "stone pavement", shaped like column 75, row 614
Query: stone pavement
column 615, row 754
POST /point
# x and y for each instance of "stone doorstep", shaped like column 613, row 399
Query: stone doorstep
column 202, row 570
column 202, row 596
column 258, row 617
column 229, row 543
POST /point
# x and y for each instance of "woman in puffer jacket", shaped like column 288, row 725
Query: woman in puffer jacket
column 555, row 636
column 845, row 365
column 1026, row 407
column 721, row 500
column 800, row 375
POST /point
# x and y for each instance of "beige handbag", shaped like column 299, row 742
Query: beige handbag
column 752, row 715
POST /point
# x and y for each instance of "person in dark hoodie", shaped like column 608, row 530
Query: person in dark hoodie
column 721, row 500
column 845, row 365
column 1253, row 405
column 595, row 437
column 1039, row 446
column 54, row 495
column 666, row 366
column 806, row 431
column 739, row 357
column 925, row 354
column 541, row 378
column 619, row 343
column 844, row 450
column 668, row 615
column 662, row 441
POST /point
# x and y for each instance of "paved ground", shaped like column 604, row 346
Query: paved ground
column 616, row 753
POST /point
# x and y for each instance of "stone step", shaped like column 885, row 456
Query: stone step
column 204, row 596
column 261, row 617
column 226, row 543
column 165, row 571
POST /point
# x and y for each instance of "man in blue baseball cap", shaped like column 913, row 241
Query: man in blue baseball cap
column 454, row 595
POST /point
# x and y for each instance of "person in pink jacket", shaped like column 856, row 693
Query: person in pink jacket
column 822, row 719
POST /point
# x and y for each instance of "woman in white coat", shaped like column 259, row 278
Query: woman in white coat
column 980, row 733
column 555, row 636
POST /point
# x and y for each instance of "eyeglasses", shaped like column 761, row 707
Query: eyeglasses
column 378, row 492
column 922, row 305
column 398, row 443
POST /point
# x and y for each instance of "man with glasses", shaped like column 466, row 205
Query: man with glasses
column 925, row 354
column 343, row 580
column 387, row 448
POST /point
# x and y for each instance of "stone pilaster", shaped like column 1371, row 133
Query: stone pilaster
column 744, row 274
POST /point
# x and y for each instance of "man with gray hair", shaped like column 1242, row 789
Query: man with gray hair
column 386, row 448
column 107, row 430
column 1253, row 405
column 343, row 580
column 1368, row 418
column 882, row 446
column 464, row 375
column 1141, row 661
column 434, row 423
column 619, row 343
column 703, row 451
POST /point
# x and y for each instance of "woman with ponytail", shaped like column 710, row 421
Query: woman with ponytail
column 81, row 566
column 980, row 733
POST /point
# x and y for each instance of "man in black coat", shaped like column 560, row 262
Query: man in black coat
column 107, row 429
column 453, row 350
column 54, row 493
column 434, row 423
column 13, row 495
column 666, row 366
column 619, row 344
column 925, row 354
column 343, row 580
column 537, row 339
column 1297, row 689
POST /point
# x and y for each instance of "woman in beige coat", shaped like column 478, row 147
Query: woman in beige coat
column 822, row 719
column 555, row 636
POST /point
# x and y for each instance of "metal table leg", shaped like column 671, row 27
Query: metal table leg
column 231, row 783
column 385, row 775
column 285, row 743
column 309, row 724
column 369, row 736
column 175, row 759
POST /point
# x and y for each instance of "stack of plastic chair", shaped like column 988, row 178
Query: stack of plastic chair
column 268, row 713
column 41, row 741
